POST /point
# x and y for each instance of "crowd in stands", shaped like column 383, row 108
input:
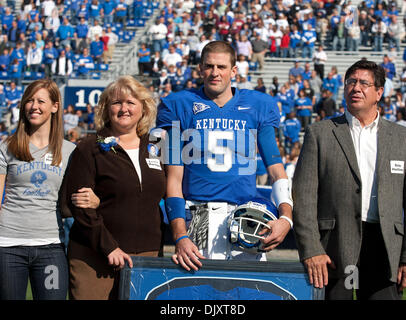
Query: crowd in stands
column 306, row 30
column 59, row 38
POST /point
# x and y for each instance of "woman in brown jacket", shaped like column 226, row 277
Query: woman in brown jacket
column 119, row 165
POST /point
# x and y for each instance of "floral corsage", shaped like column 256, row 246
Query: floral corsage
column 108, row 143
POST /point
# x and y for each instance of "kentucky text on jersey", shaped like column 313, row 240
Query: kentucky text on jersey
column 38, row 165
column 224, row 124
column 217, row 144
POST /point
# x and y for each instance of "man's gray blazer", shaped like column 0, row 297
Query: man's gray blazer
column 327, row 194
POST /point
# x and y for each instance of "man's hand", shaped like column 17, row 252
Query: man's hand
column 188, row 255
column 402, row 277
column 317, row 269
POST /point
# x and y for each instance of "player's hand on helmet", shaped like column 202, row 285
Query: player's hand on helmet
column 85, row 198
column 275, row 235
column 187, row 255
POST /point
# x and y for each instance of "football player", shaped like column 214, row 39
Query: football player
column 212, row 134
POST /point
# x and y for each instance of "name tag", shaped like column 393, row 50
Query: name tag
column 48, row 158
column 154, row 164
column 397, row 166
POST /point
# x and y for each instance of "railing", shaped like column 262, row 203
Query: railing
column 129, row 63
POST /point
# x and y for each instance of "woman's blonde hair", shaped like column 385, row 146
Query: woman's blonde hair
column 124, row 86
column 18, row 142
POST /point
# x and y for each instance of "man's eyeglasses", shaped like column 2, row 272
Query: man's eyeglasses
column 364, row 84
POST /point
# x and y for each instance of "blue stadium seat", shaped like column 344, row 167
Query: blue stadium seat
column 253, row 66
column 140, row 23
column 39, row 75
column 95, row 75
column 3, row 75
column 147, row 12
column 102, row 67
column 27, row 75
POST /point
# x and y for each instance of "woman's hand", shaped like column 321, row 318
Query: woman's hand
column 85, row 198
column 117, row 259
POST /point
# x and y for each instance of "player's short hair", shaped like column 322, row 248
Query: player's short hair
column 127, row 85
column 219, row 47
column 378, row 71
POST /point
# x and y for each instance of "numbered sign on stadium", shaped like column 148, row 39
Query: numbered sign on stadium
column 79, row 97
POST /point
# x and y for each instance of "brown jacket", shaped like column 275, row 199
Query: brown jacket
column 128, row 215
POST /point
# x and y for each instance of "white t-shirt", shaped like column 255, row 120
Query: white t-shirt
column 29, row 215
column 134, row 156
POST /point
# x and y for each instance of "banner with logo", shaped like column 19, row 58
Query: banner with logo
column 161, row 279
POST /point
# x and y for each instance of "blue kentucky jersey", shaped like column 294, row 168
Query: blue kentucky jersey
column 219, row 148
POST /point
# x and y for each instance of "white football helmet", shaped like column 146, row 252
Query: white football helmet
column 247, row 220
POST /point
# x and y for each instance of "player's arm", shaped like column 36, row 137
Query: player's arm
column 186, row 252
column 281, row 193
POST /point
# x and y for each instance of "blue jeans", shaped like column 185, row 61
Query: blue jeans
column 46, row 266
column 307, row 52
column 378, row 41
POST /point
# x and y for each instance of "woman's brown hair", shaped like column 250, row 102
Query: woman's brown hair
column 18, row 142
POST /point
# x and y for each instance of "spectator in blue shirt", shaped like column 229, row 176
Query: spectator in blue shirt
column 309, row 38
column 49, row 55
column 7, row 19
column 96, row 49
column 108, row 11
column 18, row 53
column 83, row 12
column 33, row 12
column 144, row 59
column 65, row 33
column 178, row 82
column 82, row 28
column 295, row 41
column 286, row 101
column 291, row 131
column 4, row 60
column 22, row 23
column 13, row 97
column 35, row 23
column 296, row 70
column 94, row 11
column 121, row 13
column 304, row 109
column 13, row 34
column 15, row 71
column 85, row 64
column 330, row 83
column 389, row 67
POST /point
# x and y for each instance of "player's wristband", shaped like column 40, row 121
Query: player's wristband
column 180, row 238
column 288, row 220
column 175, row 208
column 281, row 192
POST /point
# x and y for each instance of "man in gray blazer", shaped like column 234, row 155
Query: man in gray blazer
column 349, row 193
